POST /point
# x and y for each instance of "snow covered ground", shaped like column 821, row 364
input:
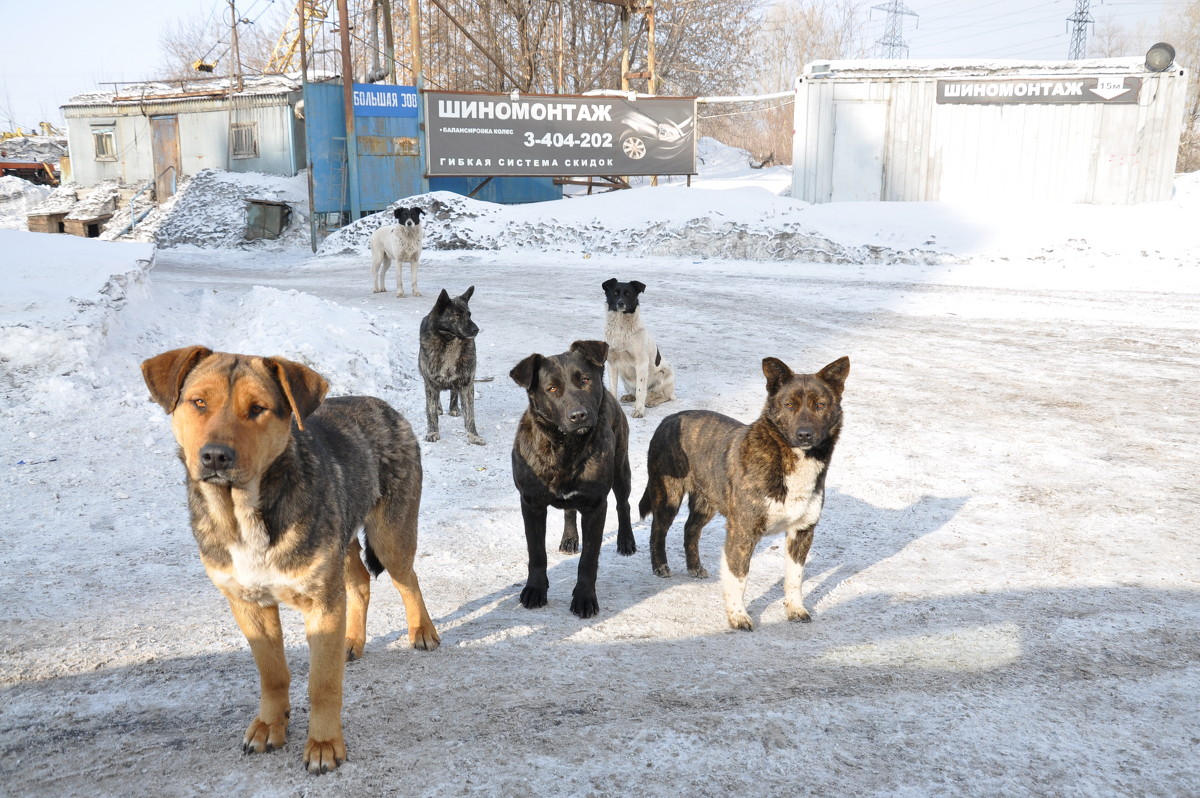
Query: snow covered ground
column 1004, row 586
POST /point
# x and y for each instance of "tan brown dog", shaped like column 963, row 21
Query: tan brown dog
column 766, row 477
column 279, row 481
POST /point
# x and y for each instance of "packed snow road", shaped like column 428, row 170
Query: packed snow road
column 1003, row 583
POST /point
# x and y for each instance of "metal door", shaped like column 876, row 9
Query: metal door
column 858, row 136
column 164, row 148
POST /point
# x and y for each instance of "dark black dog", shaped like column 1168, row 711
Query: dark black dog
column 571, row 448
column 447, row 362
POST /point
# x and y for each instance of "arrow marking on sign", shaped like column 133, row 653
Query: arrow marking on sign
column 1109, row 93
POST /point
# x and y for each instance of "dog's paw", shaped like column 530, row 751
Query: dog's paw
column 378, row 290
column 797, row 613
column 628, row 397
column 401, row 294
column 662, row 570
column 417, row 293
column 424, row 638
column 626, row 547
column 569, row 546
column 433, row 437
column 322, row 756
column 584, row 603
column 698, row 572
column 638, row 412
column 262, row 737
column 533, row 597
column 354, row 649
column 738, row 619
column 455, row 412
column 475, row 439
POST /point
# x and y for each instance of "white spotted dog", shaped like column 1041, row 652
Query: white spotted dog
column 399, row 244
column 632, row 354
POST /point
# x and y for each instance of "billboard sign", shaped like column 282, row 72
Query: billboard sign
column 1110, row 89
column 553, row 135
column 384, row 100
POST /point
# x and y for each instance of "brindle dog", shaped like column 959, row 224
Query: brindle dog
column 571, row 449
column 766, row 477
column 279, row 480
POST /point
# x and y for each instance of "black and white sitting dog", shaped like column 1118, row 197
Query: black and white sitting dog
column 399, row 244
column 632, row 354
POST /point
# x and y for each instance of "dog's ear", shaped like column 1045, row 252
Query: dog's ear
column 443, row 301
column 417, row 213
column 836, row 373
column 304, row 388
column 637, row 287
column 525, row 373
column 164, row 374
column 466, row 295
column 593, row 352
column 609, row 283
column 776, row 372
column 397, row 213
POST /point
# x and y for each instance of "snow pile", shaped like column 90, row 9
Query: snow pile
column 210, row 210
column 349, row 347
column 55, row 327
column 604, row 224
column 60, row 200
column 44, row 149
column 98, row 200
column 17, row 198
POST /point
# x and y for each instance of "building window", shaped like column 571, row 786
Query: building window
column 243, row 139
column 105, row 140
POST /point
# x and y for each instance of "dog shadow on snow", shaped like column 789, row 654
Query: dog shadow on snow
column 852, row 536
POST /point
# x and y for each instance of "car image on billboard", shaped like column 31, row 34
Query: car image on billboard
column 659, row 140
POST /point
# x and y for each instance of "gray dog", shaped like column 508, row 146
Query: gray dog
column 447, row 362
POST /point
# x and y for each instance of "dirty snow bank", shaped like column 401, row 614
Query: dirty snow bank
column 210, row 211
column 45, row 149
column 603, row 223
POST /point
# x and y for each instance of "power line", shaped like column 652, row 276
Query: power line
column 1082, row 18
column 892, row 44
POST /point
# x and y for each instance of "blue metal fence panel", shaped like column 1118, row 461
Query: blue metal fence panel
column 325, row 131
column 389, row 160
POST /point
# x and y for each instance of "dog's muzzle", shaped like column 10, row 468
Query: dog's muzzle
column 804, row 438
column 216, row 461
column 579, row 422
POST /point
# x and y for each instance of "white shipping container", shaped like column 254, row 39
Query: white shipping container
column 1094, row 131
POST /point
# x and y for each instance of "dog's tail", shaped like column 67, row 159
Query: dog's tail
column 373, row 563
column 646, row 502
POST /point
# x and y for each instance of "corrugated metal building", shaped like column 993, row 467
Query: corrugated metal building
column 1096, row 131
column 165, row 132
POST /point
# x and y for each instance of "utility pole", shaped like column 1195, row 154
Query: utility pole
column 348, row 109
column 892, row 44
column 1082, row 18
column 237, row 58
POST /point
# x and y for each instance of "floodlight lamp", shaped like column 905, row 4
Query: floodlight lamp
column 1160, row 57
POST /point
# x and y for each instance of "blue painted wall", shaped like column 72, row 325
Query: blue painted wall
column 390, row 162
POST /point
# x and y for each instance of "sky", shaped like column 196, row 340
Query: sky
column 85, row 44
